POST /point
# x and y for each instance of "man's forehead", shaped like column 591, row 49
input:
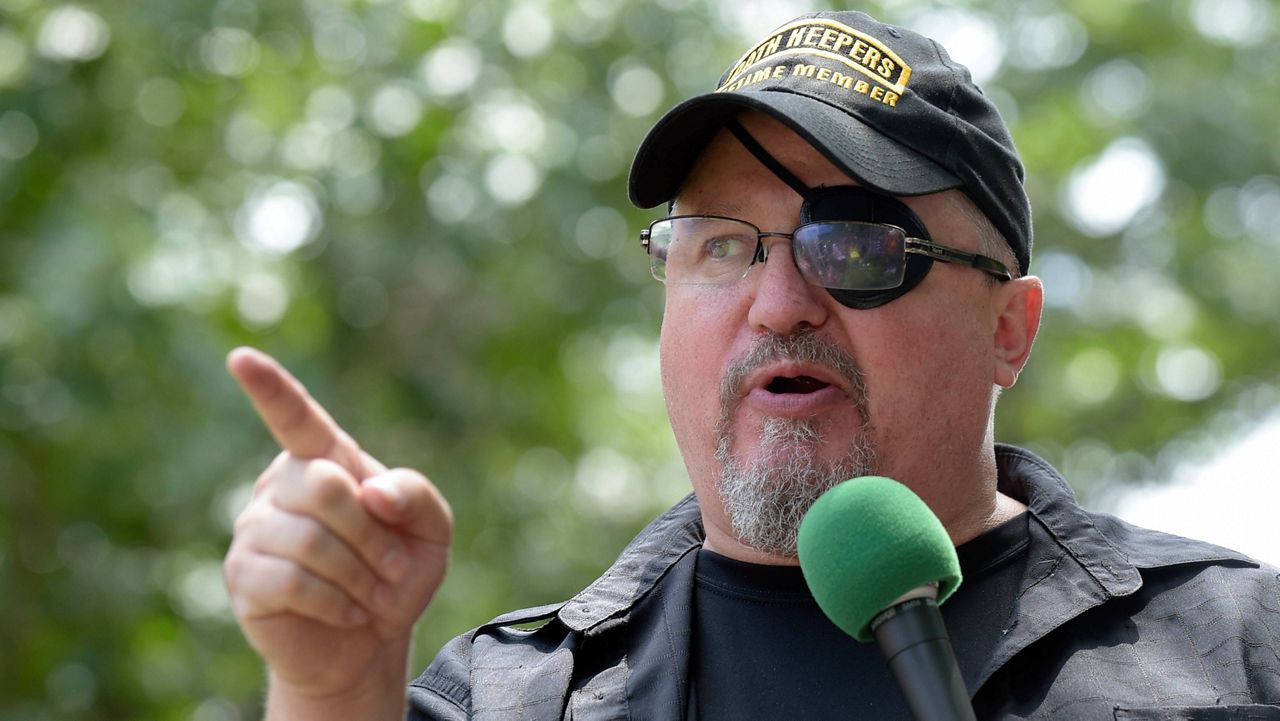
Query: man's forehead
column 727, row 155
column 727, row 206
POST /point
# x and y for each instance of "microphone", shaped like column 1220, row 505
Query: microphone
column 878, row 562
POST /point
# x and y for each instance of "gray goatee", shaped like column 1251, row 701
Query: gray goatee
column 767, row 499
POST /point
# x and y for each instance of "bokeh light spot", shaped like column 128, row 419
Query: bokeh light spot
column 601, row 158
column 1221, row 214
column 340, row 43
column 1233, row 22
column 331, row 106
column 18, row 135
column 601, row 232
column 1092, row 375
column 13, row 57
column 72, row 687
column 70, row 32
column 511, row 124
column 161, row 102
column 539, row 475
column 751, row 19
column 261, row 299
column 229, row 51
column 971, row 39
column 353, row 153
column 215, row 709
column 307, row 146
column 632, row 364
column 1117, row 89
column 512, row 178
column 1048, row 41
column 452, row 68
column 278, row 218
column 1067, row 278
column 1259, row 201
column 451, row 198
column 636, row 89
column 1105, row 193
column 247, row 139
column 201, row 593
column 358, row 194
column 609, row 483
column 1187, row 373
column 432, row 10
column 394, row 110
column 167, row 276
column 527, row 31
column 1160, row 307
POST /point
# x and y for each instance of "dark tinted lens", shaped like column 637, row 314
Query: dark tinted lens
column 851, row 256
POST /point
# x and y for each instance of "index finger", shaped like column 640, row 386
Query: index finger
column 299, row 424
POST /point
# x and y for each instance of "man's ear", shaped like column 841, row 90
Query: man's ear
column 1017, row 304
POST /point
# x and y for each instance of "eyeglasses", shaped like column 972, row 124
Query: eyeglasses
column 840, row 255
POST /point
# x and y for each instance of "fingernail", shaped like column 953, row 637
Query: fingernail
column 390, row 490
column 357, row 616
column 384, row 597
column 394, row 564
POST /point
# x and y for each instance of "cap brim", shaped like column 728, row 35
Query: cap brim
column 868, row 156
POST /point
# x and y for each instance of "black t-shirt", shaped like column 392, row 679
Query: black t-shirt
column 762, row 648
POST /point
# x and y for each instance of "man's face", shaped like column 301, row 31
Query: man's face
column 775, row 391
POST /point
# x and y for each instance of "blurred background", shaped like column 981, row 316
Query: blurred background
column 419, row 206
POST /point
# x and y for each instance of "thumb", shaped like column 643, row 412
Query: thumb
column 406, row 500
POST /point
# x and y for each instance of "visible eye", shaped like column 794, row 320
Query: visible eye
column 724, row 247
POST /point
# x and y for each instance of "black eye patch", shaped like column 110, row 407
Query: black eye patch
column 848, row 202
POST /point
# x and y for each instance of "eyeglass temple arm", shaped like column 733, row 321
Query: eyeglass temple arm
column 951, row 255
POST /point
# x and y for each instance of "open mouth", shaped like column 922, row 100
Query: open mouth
column 797, row 384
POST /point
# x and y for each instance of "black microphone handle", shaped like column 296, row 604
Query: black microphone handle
column 914, row 641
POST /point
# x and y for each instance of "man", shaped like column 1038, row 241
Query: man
column 845, row 263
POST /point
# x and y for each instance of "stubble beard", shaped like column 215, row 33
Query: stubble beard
column 766, row 499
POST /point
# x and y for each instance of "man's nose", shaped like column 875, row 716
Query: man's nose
column 783, row 301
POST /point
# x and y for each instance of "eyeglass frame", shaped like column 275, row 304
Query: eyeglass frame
column 918, row 246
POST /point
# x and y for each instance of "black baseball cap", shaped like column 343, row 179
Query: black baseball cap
column 886, row 105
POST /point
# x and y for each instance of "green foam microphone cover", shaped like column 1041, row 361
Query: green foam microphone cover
column 867, row 542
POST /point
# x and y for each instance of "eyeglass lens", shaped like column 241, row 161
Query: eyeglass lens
column 831, row 254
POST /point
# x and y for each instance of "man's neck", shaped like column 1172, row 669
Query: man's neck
column 721, row 540
column 1002, row 508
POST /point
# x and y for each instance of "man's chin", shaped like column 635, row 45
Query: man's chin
column 792, row 456
column 774, row 442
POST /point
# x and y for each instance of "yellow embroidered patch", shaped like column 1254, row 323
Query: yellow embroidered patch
column 800, row 47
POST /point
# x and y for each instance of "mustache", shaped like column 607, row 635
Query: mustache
column 805, row 346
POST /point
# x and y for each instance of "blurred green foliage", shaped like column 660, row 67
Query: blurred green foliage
column 419, row 206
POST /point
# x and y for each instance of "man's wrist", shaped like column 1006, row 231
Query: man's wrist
column 377, row 697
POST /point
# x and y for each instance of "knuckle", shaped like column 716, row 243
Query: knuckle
column 312, row 539
column 357, row 580
column 429, row 497
column 248, row 519
column 233, row 571
column 272, row 472
column 242, row 573
column 242, row 522
column 368, row 539
column 293, row 580
column 328, row 484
